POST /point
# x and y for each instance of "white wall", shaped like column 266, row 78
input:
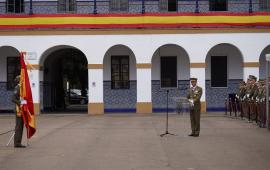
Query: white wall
column 183, row 71
column 234, row 61
column 143, row 46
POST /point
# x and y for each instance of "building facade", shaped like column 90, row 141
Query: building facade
column 123, row 56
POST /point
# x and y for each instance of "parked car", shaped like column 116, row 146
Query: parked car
column 76, row 98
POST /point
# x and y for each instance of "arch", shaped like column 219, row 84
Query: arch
column 8, row 54
column 63, row 79
column 116, row 46
column 216, row 92
column 50, row 50
column 172, row 44
column 181, row 56
column 173, row 50
column 262, row 62
column 120, row 98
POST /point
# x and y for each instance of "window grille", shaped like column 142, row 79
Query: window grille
column 15, row 6
column 13, row 69
column 264, row 5
column 67, row 6
column 120, row 72
column 119, row 5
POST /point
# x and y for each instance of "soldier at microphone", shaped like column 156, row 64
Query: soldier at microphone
column 194, row 96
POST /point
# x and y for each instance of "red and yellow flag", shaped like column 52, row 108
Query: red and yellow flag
column 27, row 109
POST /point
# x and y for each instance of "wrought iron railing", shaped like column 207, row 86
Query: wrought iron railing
column 136, row 6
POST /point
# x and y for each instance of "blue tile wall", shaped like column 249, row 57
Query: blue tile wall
column 120, row 100
column 238, row 6
column 46, row 7
column 135, row 7
column 159, row 95
column 256, row 6
column 186, row 6
column 151, row 6
column 215, row 97
column 5, row 97
column 103, row 7
column 2, row 8
column 84, row 7
column 204, row 6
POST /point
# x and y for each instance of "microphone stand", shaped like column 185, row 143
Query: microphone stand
column 167, row 120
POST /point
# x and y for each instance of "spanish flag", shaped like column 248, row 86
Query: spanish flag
column 27, row 107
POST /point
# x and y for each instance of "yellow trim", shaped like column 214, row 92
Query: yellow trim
column 144, row 107
column 37, row 108
column 95, row 66
column 144, row 65
column 95, row 108
column 203, row 107
column 251, row 64
column 131, row 31
column 33, row 67
column 197, row 65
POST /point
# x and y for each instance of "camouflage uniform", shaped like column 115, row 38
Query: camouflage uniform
column 19, row 119
column 195, row 94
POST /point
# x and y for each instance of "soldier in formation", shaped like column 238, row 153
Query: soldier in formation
column 251, row 100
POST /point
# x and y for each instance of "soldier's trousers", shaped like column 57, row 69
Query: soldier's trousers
column 195, row 116
column 18, row 131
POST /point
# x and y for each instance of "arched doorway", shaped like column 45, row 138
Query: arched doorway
column 64, row 80
column 120, row 85
column 170, row 70
column 224, row 71
column 9, row 69
column 262, row 60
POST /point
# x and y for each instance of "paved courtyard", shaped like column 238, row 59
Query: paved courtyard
column 132, row 142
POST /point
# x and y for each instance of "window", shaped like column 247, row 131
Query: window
column 120, row 72
column 168, row 71
column 172, row 5
column 67, row 5
column 168, row 5
column 264, row 4
column 14, row 6
column 219, row 71
column 119, row 5
column 218, row 5
column 13, row 69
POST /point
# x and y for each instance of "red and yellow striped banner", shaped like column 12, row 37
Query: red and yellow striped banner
column 179, row 20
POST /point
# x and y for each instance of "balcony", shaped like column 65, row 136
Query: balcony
column 89, row 14
column 132, row 6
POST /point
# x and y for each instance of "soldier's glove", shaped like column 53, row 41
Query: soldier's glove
column 247, row 95
column 23, row 102
column 257, row 99
column 191, row 102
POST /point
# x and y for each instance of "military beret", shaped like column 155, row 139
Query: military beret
column 261, row 81
column 193, row 79
column 252, row 77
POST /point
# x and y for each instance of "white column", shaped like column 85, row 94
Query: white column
column 35, row 87
column 199, row 73
column 95, row 90
column 144, row 89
